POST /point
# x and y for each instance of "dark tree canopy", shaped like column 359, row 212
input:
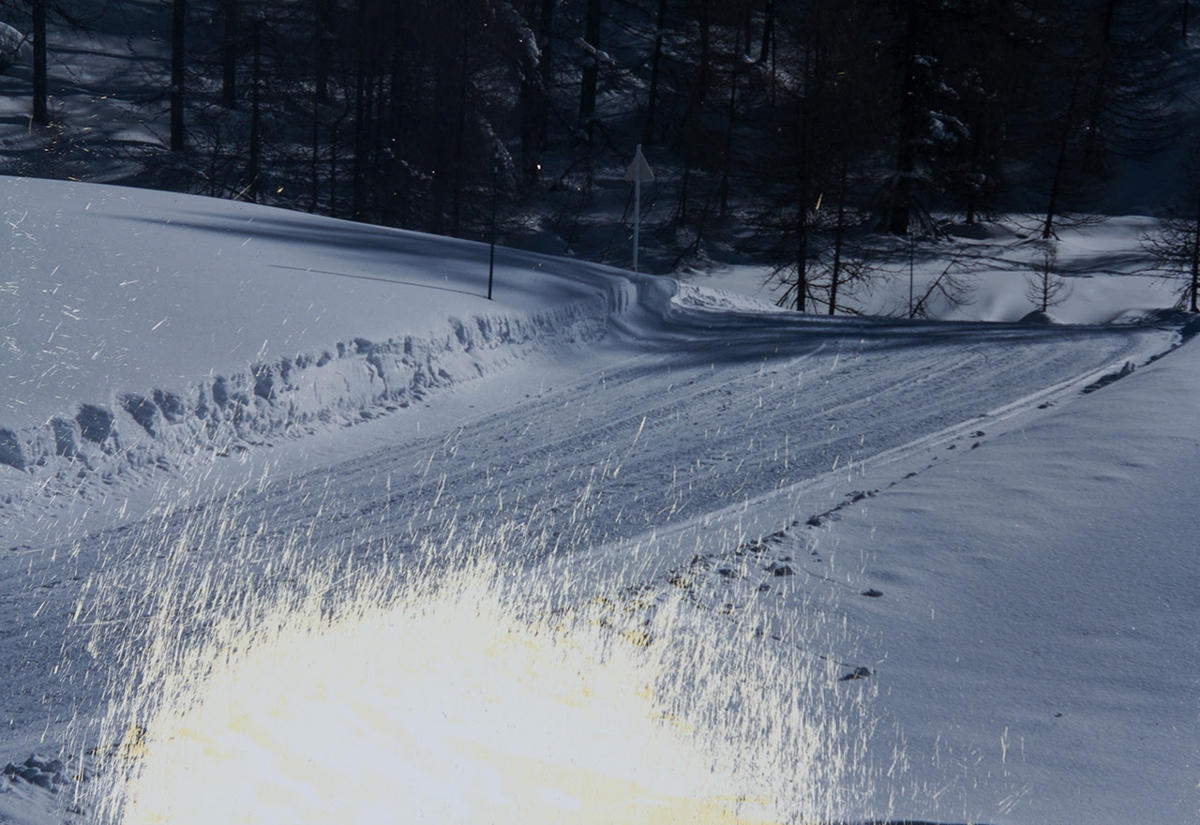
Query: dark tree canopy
column 793, row 129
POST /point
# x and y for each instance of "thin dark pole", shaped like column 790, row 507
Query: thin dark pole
column 178, row 20
column 256, row 111
column 912, row 254
column 41, row 106
column 492, row 253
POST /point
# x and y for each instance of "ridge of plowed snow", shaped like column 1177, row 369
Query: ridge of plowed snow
column 107, row 400
column 134, row 432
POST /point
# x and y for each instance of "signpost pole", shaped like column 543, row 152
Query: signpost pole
column 637, row 172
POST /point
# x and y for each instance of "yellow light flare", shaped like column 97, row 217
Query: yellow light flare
column 444, row 709
column 442, row 688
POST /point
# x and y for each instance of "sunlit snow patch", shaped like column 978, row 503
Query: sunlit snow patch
column 473, row 701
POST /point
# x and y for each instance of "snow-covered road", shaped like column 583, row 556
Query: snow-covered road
column 246, row 413
column 775, row 417
column 724, row 410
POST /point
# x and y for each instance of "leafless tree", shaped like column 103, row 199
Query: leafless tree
column 1175, row 246
column 1044, row 287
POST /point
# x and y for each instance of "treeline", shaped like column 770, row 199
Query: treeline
column 785, row 126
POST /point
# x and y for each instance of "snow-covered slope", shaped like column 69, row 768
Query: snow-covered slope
column 1039, row 629
column 1106, row 273
column 146, row 330
column 977, row 526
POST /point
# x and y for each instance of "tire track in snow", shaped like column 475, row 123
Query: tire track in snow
column 680, row 444
column 660, row 440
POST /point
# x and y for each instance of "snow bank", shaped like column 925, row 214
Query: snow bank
column 290, row 396
column 143, row 331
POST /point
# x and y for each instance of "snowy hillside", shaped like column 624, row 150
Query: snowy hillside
column 269, row 483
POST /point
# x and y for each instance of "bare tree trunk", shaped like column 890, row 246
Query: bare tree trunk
column 699, row 90
column 1060, row 166
column 41, row 93
column 532, row 102
column 325, row 16
column 440, row 186
column 591, row 68
column 364, row 80
column 705, row 59
column 839, row 239
column 747, row 26
column 768, row 34
column 389, row 126
column 255, row 170
column 1093, row 153
column 660, row 25
column 906, row 161
column 533, row 98
column 335, row 134
column 546, row 66
column 315, row 160
column 460, row 129
column 178, row 18
column 682, row 212
column 229, row 54
column 802, row 268
column 977, row 151
column 730, row 117
column 804, row 168
column 1195, row 287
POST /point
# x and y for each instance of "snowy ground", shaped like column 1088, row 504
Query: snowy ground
column 979, row 521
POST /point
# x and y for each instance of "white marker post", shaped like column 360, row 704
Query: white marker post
column 637, row 172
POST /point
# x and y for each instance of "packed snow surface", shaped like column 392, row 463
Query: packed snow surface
column 969, row 547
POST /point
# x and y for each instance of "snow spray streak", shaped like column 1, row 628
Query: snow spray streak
column 466, row 698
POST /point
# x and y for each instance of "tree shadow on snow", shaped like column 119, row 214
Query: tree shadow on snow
column 702, row 334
